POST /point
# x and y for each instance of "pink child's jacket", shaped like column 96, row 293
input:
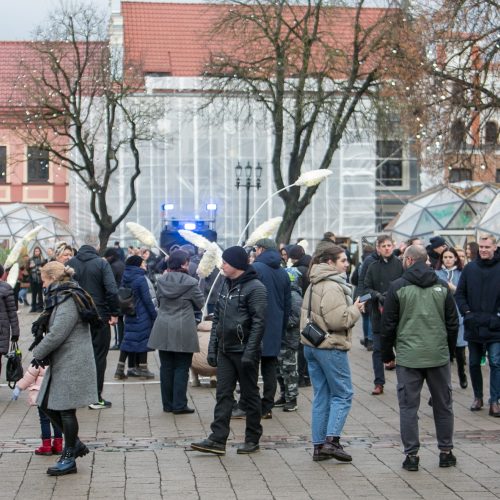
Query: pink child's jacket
column 32, row 381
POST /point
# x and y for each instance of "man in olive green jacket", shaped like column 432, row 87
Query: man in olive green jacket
column 420, row 321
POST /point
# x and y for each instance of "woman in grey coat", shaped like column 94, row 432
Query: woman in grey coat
column 70, row 380
column 174, row 332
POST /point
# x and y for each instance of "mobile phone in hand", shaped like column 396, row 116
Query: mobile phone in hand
column 365, row 298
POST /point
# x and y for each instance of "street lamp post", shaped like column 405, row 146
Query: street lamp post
column 247, row 184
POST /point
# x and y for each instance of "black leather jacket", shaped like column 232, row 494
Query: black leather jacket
column 239, row 316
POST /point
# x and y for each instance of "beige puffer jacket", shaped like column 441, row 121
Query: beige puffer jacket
column 329, row 308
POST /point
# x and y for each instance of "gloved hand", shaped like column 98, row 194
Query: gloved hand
column 15, row 393
column 381, row 298
column 39, row 363
column 212, row 360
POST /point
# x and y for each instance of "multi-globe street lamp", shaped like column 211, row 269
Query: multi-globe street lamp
column 247, row 184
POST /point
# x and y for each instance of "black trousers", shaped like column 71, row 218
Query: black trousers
column 268, row 365
column 229, row 371
column 101, row 338
column 36, row 295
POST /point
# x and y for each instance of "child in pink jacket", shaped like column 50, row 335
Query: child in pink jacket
column 32, row 381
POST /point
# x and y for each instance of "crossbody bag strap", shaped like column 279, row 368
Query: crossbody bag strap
column 309, row 307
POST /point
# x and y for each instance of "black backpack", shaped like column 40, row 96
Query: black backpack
column 126, row 301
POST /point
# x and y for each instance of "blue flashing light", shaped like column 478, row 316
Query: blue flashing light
column 167, row 206
column 190, row 226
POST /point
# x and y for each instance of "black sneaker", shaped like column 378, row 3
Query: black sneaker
column 238, row 413
column 209, row 446
column 290, row 405
column 247, row 447
column 280, row 402
column 447, row 459
column 411, row 463
column 100, row 405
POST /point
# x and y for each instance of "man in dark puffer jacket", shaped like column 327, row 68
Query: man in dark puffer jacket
column 237, row 331
column 9, row 322
column 478, row 299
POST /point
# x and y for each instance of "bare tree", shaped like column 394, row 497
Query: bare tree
column 311, row 66
column 81, row 107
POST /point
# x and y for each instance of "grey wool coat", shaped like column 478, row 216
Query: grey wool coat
column 72, row 372
column 175, row 327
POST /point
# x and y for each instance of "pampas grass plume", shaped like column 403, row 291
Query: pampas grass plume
column 265, row 230
column 142, row 234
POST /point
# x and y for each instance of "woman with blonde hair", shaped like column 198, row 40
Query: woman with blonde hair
column 329, row 304
column 63, row 253
column 63, row 343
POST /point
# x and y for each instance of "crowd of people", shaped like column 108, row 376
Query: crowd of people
column 421, row 309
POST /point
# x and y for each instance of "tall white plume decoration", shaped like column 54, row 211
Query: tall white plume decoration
column 31, row 235
column 196, row 239
column 265, row 230
column 13, row 275
column 145, row 236
column 211, row 259
column 14, row 254
column 313, row 177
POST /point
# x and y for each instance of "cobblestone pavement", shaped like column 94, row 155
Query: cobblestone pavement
column 140, row 452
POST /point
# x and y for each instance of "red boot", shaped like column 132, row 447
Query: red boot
column 57, row 446
column 45, row 449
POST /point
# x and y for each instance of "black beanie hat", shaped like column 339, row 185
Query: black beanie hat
column 437, row 241
column 134, row 260
column 177, row 258
column 296, row 252
column 236, row 257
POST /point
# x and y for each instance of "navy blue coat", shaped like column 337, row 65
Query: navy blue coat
column 138, row 327
column 478, row 299
column 277, row 283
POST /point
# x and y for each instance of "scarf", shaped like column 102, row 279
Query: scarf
column 56, row 294
column 347, row 288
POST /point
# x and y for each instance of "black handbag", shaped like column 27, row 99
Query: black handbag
column 126, row 301
column 14, row 368
column 312, row 332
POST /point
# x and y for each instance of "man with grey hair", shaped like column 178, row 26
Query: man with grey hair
column 95, row 276
column 478, row 299
column 420, row 321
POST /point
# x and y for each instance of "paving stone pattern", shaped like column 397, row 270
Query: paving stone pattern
column 140, row 452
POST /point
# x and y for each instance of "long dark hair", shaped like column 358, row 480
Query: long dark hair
column 458, row 262
column 474, row 250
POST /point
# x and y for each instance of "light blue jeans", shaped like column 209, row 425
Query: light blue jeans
column 331, row 380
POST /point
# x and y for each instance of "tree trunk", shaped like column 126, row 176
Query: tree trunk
column 292, row 212
column 104, row 235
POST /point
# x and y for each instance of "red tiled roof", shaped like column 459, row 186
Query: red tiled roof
column 174, row 37
column 11, row 56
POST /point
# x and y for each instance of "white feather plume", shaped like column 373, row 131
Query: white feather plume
column 211, row 259
column 14, row 254
column 265, row 230
column 196, row 239
column 142, row 234
column 31, row 235
column 304, row 244
column 313, row 177
column 13, row 275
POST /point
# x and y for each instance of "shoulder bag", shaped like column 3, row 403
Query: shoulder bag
column 312, row 332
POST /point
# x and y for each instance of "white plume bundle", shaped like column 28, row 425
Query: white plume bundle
column 31, row 235
column 196, row 239
column 13, row 275
column 265, row 230
column 304, row 244
column 313, row 177
column 142, row 234
column 211, row 259
column 14, row 254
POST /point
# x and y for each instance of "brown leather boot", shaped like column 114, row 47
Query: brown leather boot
column 378, row 390
column 477, row 404
column 333, row 448
column 495, row 410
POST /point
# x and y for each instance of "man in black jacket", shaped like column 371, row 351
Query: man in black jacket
column 376, row 282
column 478, row 299
column 234, row 348
column 95, row 276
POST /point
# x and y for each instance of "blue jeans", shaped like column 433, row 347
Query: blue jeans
column 476, row 351
column 331, row 380
column 45, row 426
column 367, row 326
column 174, row 377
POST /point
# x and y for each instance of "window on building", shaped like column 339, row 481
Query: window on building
column 458, row 134
column 38, row 164
column 3, row 164
column 389, row 163
column 491, row 134
column 498, row 175
column 460, row 174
